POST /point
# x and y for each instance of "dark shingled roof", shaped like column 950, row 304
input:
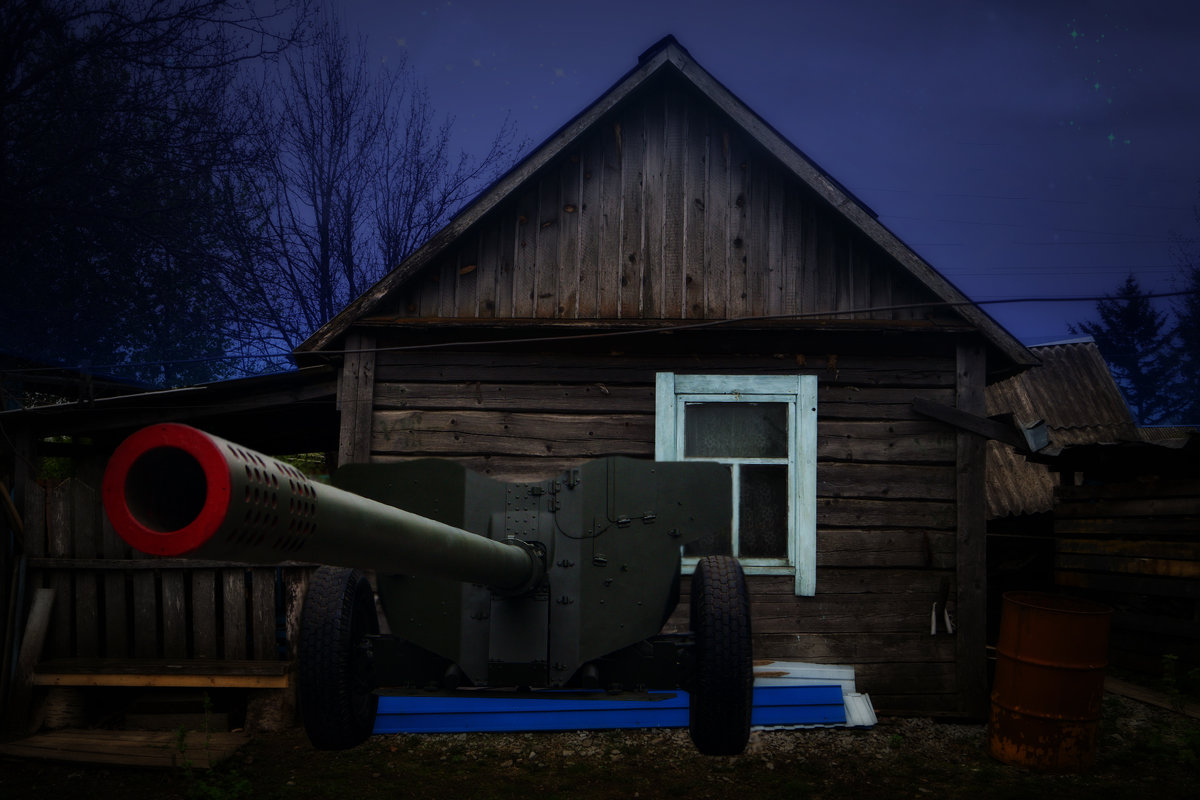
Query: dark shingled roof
column 1074, row 393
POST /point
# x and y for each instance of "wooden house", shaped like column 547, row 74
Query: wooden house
column 667, row 276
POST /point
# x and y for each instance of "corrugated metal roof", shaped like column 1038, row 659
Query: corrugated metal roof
column 1071, row 390
column 1168, row 434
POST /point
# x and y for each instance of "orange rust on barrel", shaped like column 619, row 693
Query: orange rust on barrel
column 1049, row 681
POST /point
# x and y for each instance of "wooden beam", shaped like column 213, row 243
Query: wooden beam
column 973, row 423
column 110, row 564
column 180, row 673
column 11, row 514
column 31, row 650
column 160, row 749
column 356, row 399
column 165, row 680
column 1142, row 695
column 971, row 594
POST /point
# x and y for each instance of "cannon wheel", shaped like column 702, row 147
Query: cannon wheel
column 721, row 695
column 336, row 693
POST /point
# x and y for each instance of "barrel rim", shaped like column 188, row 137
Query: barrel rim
column 208, row 455
column 1056, row 603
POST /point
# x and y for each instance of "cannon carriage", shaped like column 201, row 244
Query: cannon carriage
column 563, row 583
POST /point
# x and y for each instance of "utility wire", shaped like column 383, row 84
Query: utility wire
column 685, row 326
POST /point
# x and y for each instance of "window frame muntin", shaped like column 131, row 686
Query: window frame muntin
column 673, row 390
column 776, row 566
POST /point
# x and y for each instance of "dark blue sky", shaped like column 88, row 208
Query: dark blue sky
column 1024, row 148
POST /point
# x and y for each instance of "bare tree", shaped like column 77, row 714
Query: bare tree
column 416, row 186
column 115, row 135
column 361, row 172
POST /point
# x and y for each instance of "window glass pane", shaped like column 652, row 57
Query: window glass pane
column 715, row 545
column 763, row 511
column 735, row 430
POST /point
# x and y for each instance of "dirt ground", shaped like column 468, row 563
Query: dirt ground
column 1142, row 752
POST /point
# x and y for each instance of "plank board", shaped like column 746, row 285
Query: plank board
column 262, row 613
column 570, row 215
column 857, row 513
column 156, row 749
column 471, row 432
column 1162, row 567
column 233, row 604
column 58, row 537
column 491, row 396
column 971, row 456
column 1131, row 548
column 85, row 506
column 631, row 147
column 884, row 547
column 886, row 481
column 911, row 442
column 182, row 673
column 608, row 246
column 174, row 615
column 204, row 613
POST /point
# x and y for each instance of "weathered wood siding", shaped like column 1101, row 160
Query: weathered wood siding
column 666, row 209
column 112, row 602
column 886, row 482
column 1136, row 547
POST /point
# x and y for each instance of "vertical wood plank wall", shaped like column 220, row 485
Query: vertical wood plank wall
column 111, row 602
column 971, row 550
column 666, row 209
column 886, row 483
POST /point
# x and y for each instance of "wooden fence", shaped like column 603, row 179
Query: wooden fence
column 113, row 603
column 1136, row 547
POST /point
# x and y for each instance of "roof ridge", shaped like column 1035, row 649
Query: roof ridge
column 662, row 44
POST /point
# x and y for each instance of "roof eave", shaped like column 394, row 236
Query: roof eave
column 668, row 53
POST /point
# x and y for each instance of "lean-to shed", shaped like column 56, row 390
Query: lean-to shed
column 666, row 276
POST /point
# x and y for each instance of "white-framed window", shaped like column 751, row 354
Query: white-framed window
column 765, row 428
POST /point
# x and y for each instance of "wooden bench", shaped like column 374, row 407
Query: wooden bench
column 266, row 689
column 156, row 672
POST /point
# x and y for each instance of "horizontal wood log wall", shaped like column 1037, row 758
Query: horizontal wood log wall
column 1136, row 547
column 886, row 483
column 111, row 602
column 664, row 210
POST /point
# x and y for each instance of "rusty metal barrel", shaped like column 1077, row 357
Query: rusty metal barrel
column 1049, row 681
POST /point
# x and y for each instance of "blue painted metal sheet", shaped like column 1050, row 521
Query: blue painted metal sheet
column 773, row 705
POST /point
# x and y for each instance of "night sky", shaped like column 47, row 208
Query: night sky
column 1023, row 148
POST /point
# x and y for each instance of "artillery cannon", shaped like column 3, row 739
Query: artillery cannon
column 563, row 583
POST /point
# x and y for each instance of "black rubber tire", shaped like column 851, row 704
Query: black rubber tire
column 336, row 692
column 721, row 692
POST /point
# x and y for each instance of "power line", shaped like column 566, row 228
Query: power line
column 662, row 329
column 643, row 331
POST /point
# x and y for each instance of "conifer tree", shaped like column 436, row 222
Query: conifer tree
column 1187, row 347
column 1136, row 342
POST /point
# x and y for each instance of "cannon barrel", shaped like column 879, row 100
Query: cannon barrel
column 173, row 490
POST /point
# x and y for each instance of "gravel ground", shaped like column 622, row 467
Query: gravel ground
column 1142, row 751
